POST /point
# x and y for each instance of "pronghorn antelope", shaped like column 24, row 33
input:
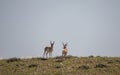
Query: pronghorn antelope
column 48, row 49
column 65, row 50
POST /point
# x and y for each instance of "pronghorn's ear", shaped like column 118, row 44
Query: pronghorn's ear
column 66, row 44
column 63, row 43
column 53, row 42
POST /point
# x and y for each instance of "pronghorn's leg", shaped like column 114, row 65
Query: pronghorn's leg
column 62, row 53
column 65, row 53
column 46, row 54
column 49, row 54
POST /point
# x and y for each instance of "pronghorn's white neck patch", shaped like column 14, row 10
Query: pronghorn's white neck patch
column 49, row 46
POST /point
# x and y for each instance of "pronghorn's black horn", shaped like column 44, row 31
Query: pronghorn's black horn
column 63, row 43
column 50, row 42
column 53, row 42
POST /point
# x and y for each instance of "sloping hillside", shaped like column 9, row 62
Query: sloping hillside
column 70, row 65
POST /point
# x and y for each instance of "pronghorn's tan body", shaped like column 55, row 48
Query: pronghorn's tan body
column 48, row 49
column 65, row 50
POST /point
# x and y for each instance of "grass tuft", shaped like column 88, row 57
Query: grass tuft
column 84, row 67
column 13, row 60
column 32, row 65
column 100, row 65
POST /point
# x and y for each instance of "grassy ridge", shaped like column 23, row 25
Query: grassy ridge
column 61, row 66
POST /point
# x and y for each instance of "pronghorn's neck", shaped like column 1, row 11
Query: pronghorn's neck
column 64, row 47
column 51, row 46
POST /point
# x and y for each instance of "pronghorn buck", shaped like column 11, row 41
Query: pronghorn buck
column 49, row 49
column 65, row 50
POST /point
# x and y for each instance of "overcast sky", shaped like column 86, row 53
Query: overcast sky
column 91, row 27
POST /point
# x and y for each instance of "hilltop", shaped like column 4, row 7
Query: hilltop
column 70, row 65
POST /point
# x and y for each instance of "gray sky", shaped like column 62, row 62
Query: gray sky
column 91, row 27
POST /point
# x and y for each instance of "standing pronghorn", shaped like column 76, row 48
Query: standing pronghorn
column 65, row 50
column 48, row 49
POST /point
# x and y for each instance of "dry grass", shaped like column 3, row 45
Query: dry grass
column 61, row 66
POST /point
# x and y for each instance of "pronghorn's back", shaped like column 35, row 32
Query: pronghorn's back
column 48, row 49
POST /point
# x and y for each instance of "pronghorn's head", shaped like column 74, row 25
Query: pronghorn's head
column 52, row 43
column 64, row 45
